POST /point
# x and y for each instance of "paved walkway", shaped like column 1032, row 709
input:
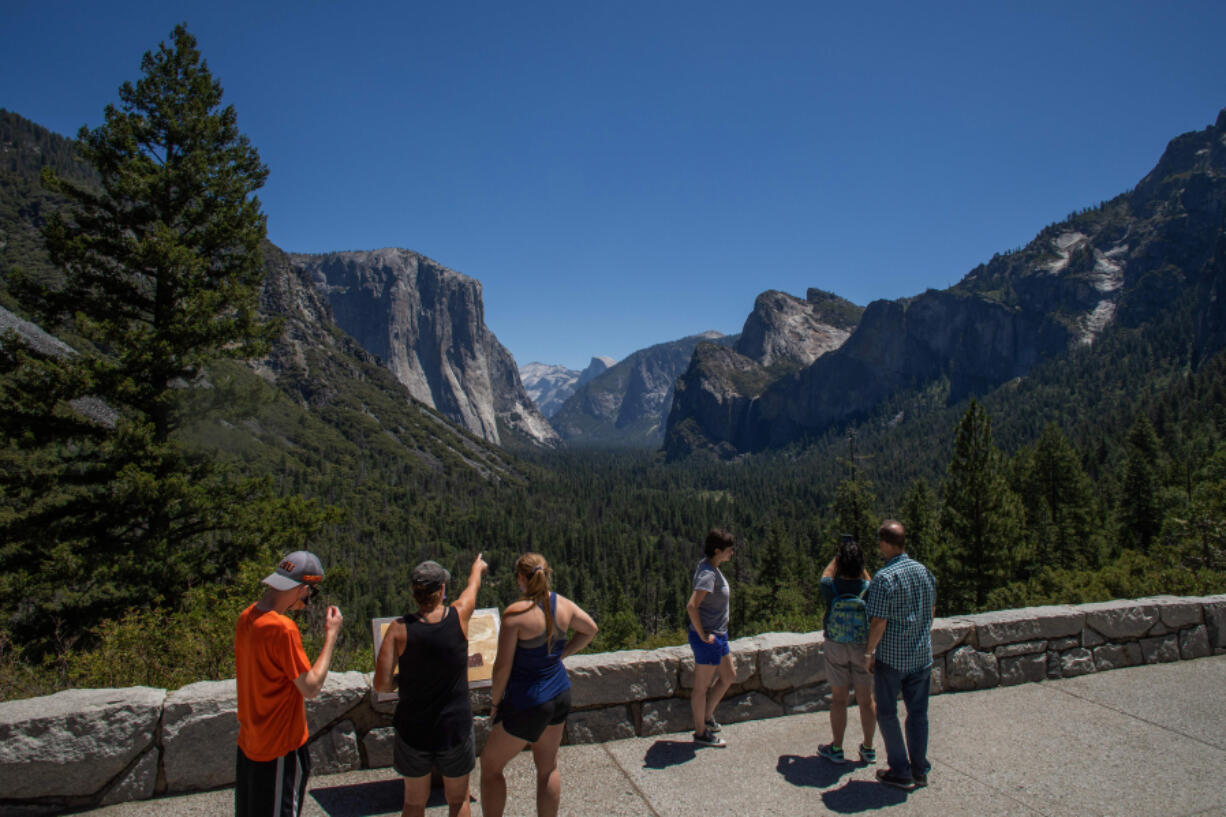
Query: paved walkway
column 1142, row 741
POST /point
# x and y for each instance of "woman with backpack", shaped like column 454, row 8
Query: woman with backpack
column 844, row 583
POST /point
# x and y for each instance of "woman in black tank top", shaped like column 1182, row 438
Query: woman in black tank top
column 433, row 720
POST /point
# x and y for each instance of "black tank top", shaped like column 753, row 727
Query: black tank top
column 434, row 712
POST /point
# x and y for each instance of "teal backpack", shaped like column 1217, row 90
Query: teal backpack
column 848, row 619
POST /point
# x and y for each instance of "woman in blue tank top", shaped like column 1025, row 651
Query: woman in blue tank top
column 531, row 691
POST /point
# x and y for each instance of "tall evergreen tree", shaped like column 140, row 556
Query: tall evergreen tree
column 982, row 522
column 1058, row 499
column 919, row 519
column 1140, row 516
column 162, row 268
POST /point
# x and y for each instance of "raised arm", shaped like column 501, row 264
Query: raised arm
column 583, row 625
column 310, row 682
column 467, row 602
column 389, row 654
column 828, row 573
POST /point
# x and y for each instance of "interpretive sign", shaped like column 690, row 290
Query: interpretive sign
column 483, row 630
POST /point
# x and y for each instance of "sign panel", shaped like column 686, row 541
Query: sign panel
column 483, row 630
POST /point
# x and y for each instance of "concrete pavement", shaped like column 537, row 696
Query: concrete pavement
column 1147, row 740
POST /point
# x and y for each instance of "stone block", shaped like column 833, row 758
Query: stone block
column 1194, row 643
column 1028, row 624
column 335, row 751
column 609, row 678
column 1077, row 661
column 790, row 660
column 1053, row 665
column 198, row 723
column 1214, row 609
column 948, row 633
column 1062, row 644
column 599, row 725
column 968, row 668
column 342, row 691
column 744, row 653
column 669, row 715
column 479, row 698
column 1022, row 648
column 137, row 783
column 379, row 745
column 1176, row 613
column 74, row 742
column 1117, row 656
column 814, row 698
column 1023, row 669
column 1091, row 638
column 937, row 680
column 751, row 706
column 1120, row 620
column 1161, row 649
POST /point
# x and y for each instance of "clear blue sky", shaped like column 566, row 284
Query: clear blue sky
column 621, row 174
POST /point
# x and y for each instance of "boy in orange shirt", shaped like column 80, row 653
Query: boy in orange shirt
column 274, row 678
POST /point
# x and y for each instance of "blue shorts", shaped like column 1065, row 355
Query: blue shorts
column 711, row 654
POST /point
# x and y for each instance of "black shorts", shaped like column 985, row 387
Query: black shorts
column 529, row 724
column 454, row 761
column 271, row 788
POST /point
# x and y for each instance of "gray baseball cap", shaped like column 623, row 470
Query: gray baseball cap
column 430, row 575
column 299, row 567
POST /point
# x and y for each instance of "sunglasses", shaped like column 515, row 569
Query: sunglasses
column 312, row 592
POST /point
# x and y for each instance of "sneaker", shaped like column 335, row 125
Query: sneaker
column 831, row 752
column 920, row 780
column 709, row 738
column 713, row 725
column 868, row 754
column 890, row 779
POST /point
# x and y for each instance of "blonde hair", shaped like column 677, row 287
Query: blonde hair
column 536, row 574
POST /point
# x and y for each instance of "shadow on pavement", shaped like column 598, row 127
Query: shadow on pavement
column 812, row 771
column 862, row 795
column 364, row 799
column 665, row 753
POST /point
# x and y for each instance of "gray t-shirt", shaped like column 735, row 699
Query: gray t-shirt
column 713, row 611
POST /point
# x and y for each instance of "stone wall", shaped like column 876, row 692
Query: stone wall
column 90, row 747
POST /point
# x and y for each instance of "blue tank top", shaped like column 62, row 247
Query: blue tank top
column 537, row 672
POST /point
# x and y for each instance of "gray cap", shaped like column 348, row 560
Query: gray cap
column 430, row 575
column 299, row 567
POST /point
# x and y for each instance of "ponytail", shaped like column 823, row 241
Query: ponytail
column 536, row 574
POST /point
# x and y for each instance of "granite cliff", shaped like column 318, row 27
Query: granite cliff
column 550, row 384
column 1117, row 266
column 627, row 405
column 426, row 323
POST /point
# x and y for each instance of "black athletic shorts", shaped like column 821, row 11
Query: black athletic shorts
column 271, row 788
column 454, row 761
column 529, row 724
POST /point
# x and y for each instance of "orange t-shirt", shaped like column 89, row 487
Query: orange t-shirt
column 268, row 656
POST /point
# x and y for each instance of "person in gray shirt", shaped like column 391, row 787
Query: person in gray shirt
column 708, row 614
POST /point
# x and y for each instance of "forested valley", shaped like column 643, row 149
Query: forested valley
column 130, row 546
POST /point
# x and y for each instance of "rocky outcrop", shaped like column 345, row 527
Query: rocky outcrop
column 549, row 385
column 784, row 332
column 628, row 405
column 1123, row 263
column 426, row 323
column 89, row 747
column 716, row 398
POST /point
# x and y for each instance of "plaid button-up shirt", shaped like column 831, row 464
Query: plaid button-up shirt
column 903, row 593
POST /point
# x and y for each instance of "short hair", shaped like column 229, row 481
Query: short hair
column 717, row 539
column 891, row 532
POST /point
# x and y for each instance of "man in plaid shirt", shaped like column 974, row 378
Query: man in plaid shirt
column 901, row 603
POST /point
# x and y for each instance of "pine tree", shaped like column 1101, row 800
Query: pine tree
column 919, row 519
column 981, row 520
column 1140, row 516
column 162, row 266
column 1058, row 499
